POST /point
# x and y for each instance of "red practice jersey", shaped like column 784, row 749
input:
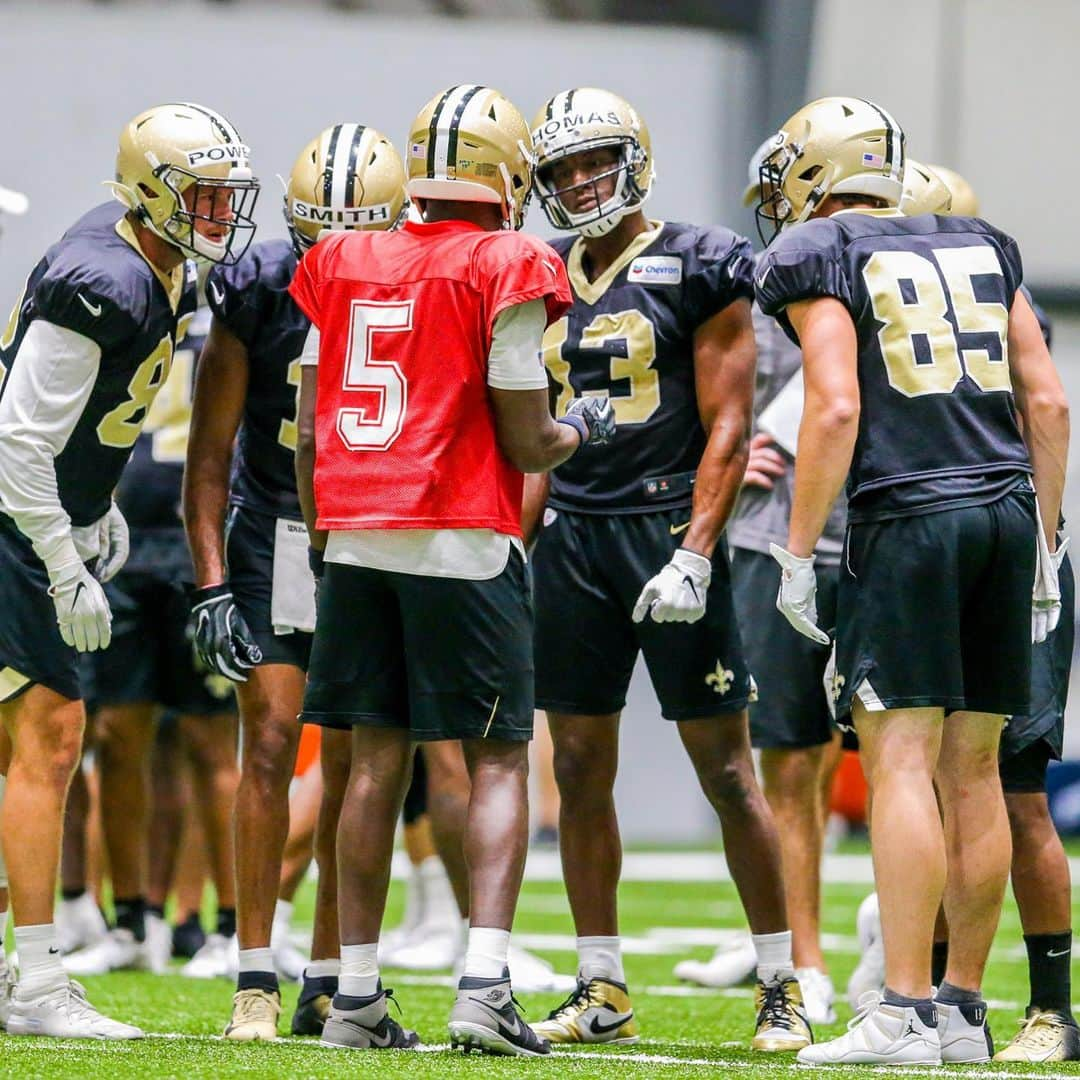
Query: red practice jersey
column 404, row 429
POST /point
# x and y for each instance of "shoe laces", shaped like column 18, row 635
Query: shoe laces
column 253, row 1004
column 869, row 1000
column 579, row 999
column 776, row 1006
column 1041, row 1030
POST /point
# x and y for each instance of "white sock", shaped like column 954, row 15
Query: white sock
column 774, row 957
column 486, row 952
column 359, row 970
column 323, row 969
column 40, row 969
column 600, row 958
column 440, row 904
column 261, row 960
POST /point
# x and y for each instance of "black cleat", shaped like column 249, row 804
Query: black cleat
column 188, row 937
column 313, row 1006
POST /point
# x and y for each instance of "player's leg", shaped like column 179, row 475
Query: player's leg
column 542, row 768
column 356, row 682
column 79, row 921
column 321, row 976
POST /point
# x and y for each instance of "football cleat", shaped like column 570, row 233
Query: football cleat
column 1044, row 1035
column 218, row 958
column 869, row 974
column 64, row 1013
column 365, row 1024
column 730, row 965
column 485, row 1017
column 964, row 1033
column 597, row 1011
column 818, row 995
column 781, row 1022
column 880, row 1034
column 434, row 945
column 79, row 923
column 313, row 1005
column 254, row 1016
column 117, row 951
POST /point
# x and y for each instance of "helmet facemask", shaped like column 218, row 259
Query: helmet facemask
column 599, row 220
column 774, row 210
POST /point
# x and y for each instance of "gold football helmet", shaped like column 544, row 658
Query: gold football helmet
column 585, row 119
column 470, row 144
column 171, row 158
column 924, row 191
column 965, row 203
column 833, row 146
column 348, row 177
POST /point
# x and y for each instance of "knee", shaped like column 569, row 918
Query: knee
column 55, row 754
column 730, row 786
column 791, row 775
column 269, row 758
column 582, row 775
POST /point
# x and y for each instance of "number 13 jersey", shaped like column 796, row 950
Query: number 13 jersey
column 930, row 299
column 630, row 336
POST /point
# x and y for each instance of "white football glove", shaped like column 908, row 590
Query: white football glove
column 105, row 544
column 82, row 612
column 797, row 598
column 677, row 593
column 1046, row 593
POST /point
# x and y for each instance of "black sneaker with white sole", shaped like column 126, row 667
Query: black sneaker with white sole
column 485, row 1017
column 364, row 1023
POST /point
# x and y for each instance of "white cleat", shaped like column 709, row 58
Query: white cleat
column 818, row 995
column 730, row 965
column 219, row 958
column 869, row 974
column 964, row 1033
column 64, row 1013
column 879, row 1034
column 117, row 951
column 157, row 948
column 79, row 923
column 430, row 947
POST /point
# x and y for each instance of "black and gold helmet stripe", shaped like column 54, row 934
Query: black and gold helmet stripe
column 339, row 168
column 227, row 132
column 443, row 129
column 894, row 141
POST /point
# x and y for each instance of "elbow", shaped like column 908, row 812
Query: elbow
column 841, row 416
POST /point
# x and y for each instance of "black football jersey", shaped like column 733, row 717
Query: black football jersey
column 93, row 281
column 930, row 299
column 630, row 335
column 252, row 300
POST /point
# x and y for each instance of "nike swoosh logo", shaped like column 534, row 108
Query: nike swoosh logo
column 219, row 296
column 54, row 952
column 95, row 311
column 380, row 1040
column 515, row 1030
column 761, row 280
column 603, row 1029
column 687, row 581
column 676, row 529
column 75, row 599
column 1062, row 952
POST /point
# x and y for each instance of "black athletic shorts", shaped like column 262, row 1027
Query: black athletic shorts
column 791, row 711
column 31, row 648
column 249, row 551
column 1030, row 741
column 151, row 659
column 445, row 658
column 589, row 570
column 935, row 610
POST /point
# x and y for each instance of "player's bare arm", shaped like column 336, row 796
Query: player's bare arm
column 1040, row 398
column 830, row 421
column 305, row 454
column 724, row 359
column 530, row 438
column 220, row 389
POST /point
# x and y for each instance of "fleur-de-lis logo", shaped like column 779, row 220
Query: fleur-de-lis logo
column 838, row 681
column 720, row 679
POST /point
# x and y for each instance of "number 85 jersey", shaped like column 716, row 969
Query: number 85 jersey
column 930, row 299
column 630, row 336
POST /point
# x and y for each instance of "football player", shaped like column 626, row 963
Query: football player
column 431, row 404
column 1040, row 870
column 253, row 611
column 150, row 665
column 918, row 351
column 88, row 345
column 632, row 559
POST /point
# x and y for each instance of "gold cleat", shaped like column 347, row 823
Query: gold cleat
column 598, row 1011
column 254, row 1016
column 1044, row 1035
column 781, row 1017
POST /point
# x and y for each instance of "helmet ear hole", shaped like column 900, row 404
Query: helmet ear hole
column 810, row 174
column 147, row 192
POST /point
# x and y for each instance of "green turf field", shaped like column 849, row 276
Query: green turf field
column 685, row 1032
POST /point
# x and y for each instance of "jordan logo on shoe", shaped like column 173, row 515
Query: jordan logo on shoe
column 910, row 1029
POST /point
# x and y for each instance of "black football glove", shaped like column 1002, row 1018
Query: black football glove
column 593, row 418
column 221, row 638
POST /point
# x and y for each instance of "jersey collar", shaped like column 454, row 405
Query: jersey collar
column 591, row 291
column 441, row 228
column 173, row 281
column 871, row 211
